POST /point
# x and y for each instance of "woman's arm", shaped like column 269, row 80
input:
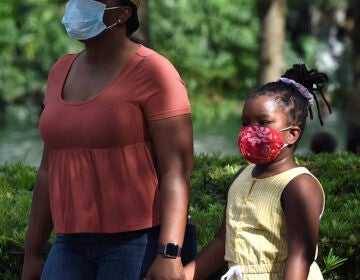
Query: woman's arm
column 173, row 141
column 40, row 224
column 302, row 202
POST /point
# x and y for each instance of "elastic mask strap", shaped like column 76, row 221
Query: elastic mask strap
column 110, row 26
column 112, row 8
column 286, row 128
column 285, row 145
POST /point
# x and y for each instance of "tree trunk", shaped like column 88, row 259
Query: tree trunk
column 143, row 33
column 353, row 141
column 272, row 37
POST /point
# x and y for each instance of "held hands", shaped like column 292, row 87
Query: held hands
column 166, row 269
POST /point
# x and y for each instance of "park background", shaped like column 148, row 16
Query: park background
column 222, row 50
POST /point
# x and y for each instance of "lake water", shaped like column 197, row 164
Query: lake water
column 23, row 143
column 20, row 143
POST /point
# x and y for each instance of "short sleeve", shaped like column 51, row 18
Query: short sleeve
column 166, row 92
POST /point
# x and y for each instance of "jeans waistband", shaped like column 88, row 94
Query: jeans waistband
column 108, row 237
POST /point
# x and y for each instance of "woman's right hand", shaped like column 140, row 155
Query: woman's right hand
column 32, row 268
column 40, row 224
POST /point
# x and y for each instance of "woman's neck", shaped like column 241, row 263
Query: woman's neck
column 108, row 49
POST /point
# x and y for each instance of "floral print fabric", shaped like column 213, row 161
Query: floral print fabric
column 260, row 144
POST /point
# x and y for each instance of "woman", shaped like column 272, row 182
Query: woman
column 114, row 177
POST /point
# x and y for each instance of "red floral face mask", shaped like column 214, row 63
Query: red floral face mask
column 259, row 144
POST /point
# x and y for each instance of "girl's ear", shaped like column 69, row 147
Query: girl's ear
column 293, row 135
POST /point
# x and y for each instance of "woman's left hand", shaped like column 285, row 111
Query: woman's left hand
column 166, row 269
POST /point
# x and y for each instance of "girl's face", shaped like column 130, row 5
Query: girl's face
column 264, row 111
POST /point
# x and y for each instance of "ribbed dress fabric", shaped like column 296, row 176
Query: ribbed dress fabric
column 255, row 225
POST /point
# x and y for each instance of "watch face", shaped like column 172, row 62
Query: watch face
column 172, row 250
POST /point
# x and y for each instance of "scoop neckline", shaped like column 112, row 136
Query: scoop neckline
column 101, row 92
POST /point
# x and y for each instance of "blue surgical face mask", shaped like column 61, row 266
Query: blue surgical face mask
column 83, row 19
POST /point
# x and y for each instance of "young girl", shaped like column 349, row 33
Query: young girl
column 271, row 225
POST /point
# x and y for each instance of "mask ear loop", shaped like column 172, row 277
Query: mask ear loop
column 284, row 129
column 113, row 8
column 112, row 25
column 118, row 22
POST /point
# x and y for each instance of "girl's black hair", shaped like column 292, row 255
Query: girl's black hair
column 294, row 104
column 132, row 24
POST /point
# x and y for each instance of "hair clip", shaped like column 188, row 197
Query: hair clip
column 303, row 90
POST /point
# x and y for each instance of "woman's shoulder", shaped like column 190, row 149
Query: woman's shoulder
column 67, row 57
column 154, row 60
column 64, row 61
column 149, row 53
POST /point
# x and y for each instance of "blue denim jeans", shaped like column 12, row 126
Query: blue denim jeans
column 126, row 256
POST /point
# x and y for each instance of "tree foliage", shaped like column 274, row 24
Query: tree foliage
column 32, row 38
column 212, row 43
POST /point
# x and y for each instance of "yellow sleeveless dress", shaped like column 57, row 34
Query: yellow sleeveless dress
column 255, row 225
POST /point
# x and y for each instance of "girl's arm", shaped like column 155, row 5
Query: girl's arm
column 210, row 259
column 302, row 202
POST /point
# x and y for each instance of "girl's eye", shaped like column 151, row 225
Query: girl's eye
column 263, row 123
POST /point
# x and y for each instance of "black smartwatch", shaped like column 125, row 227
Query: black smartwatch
column 170, row 250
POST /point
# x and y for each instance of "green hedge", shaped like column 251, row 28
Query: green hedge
column 339, row 246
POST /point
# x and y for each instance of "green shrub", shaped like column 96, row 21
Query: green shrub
column 339, row 244
column 16, row 181
column 17, row 176
column 339, row 249
column 340, row 225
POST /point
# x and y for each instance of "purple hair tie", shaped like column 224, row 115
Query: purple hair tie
column 303, row 90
